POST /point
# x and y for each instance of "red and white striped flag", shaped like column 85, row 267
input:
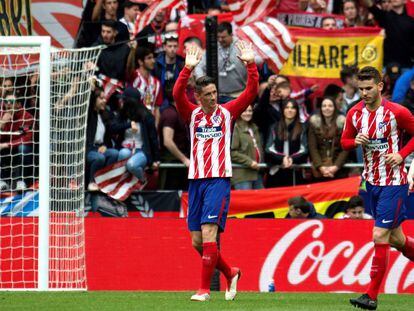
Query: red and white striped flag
column 270, row 39
column 149, row 13
column 248, row 11
column 116, row 181
column 110, row 85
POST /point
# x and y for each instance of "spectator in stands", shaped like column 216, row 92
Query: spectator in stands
column 267, row 111
column 131, row 11
column 337, row 94
column 7, row 85
column 171, row 27
column 106, row 10
column 31, row 94
column 151, row 35
column 168, row 64
column 349, row 79
column 192, row 40
column 246, row 149
column 350, row 11
column 113, row 59
column 175, row 146
column 141, row 63
column 286, row 145
column 232, row 72
column 136, row 135
column 16, row 144
column 300, row 208
column 399, row 29
column 99, row 151
column 317, row 6
column 402, row 85
column 355, row 209
column 328, row 23
column 408, row 102
column 284, row 91
column 390, row 77
column 385, row 5
column 88, row 31
column 326, row 154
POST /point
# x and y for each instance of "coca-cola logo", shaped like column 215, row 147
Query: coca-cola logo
column 303, row 258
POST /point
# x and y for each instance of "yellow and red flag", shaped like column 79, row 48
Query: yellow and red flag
column 274, row 200
column 319, row 55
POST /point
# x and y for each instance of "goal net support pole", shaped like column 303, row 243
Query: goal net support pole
column 44, row 151
column 46, row 251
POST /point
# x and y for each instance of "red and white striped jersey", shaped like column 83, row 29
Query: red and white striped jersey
column 150, row 90
column 211, row 133
column 385, row 127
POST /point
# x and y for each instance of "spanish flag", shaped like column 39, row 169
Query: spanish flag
column 319, row 54
column 273, row 201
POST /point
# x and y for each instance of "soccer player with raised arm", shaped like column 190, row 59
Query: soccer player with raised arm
column 377, row 125
column 210, row 163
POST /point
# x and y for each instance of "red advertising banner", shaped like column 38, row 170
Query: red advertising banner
column 300, row 255
column 247, row 202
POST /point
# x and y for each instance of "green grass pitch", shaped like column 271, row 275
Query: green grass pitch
column 152, row 301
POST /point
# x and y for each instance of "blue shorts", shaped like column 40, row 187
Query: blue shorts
column 208, row 202
column 388, row 204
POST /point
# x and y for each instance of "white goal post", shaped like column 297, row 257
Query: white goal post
column 41, row 221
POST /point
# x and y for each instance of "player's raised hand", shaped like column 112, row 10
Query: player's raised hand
column 393, row 159
column 192, row 56
column 246, row 52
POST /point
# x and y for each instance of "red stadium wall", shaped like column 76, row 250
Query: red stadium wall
column 156, row 254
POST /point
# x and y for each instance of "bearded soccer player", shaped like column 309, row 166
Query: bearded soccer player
column 377, row 124
column 210, row 163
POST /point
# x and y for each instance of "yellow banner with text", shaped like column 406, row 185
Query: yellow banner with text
column 322, row 54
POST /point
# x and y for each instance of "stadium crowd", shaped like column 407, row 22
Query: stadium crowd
column 138, row 120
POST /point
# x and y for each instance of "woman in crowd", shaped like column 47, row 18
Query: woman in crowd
column 98, row 138
column 326, row 154
column 350, row 11
column 136, row 137
column 286, row 145
column 246, row 149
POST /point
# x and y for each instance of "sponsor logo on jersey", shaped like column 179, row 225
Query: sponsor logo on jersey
column 209, row 132
column 377, row 144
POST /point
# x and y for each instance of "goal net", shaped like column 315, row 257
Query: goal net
column 44, row 97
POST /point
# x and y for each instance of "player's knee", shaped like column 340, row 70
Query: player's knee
column 209, row 233
column 380, row 236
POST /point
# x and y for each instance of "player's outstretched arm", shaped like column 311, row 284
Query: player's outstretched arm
column 237, row 106
column 184, row 106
